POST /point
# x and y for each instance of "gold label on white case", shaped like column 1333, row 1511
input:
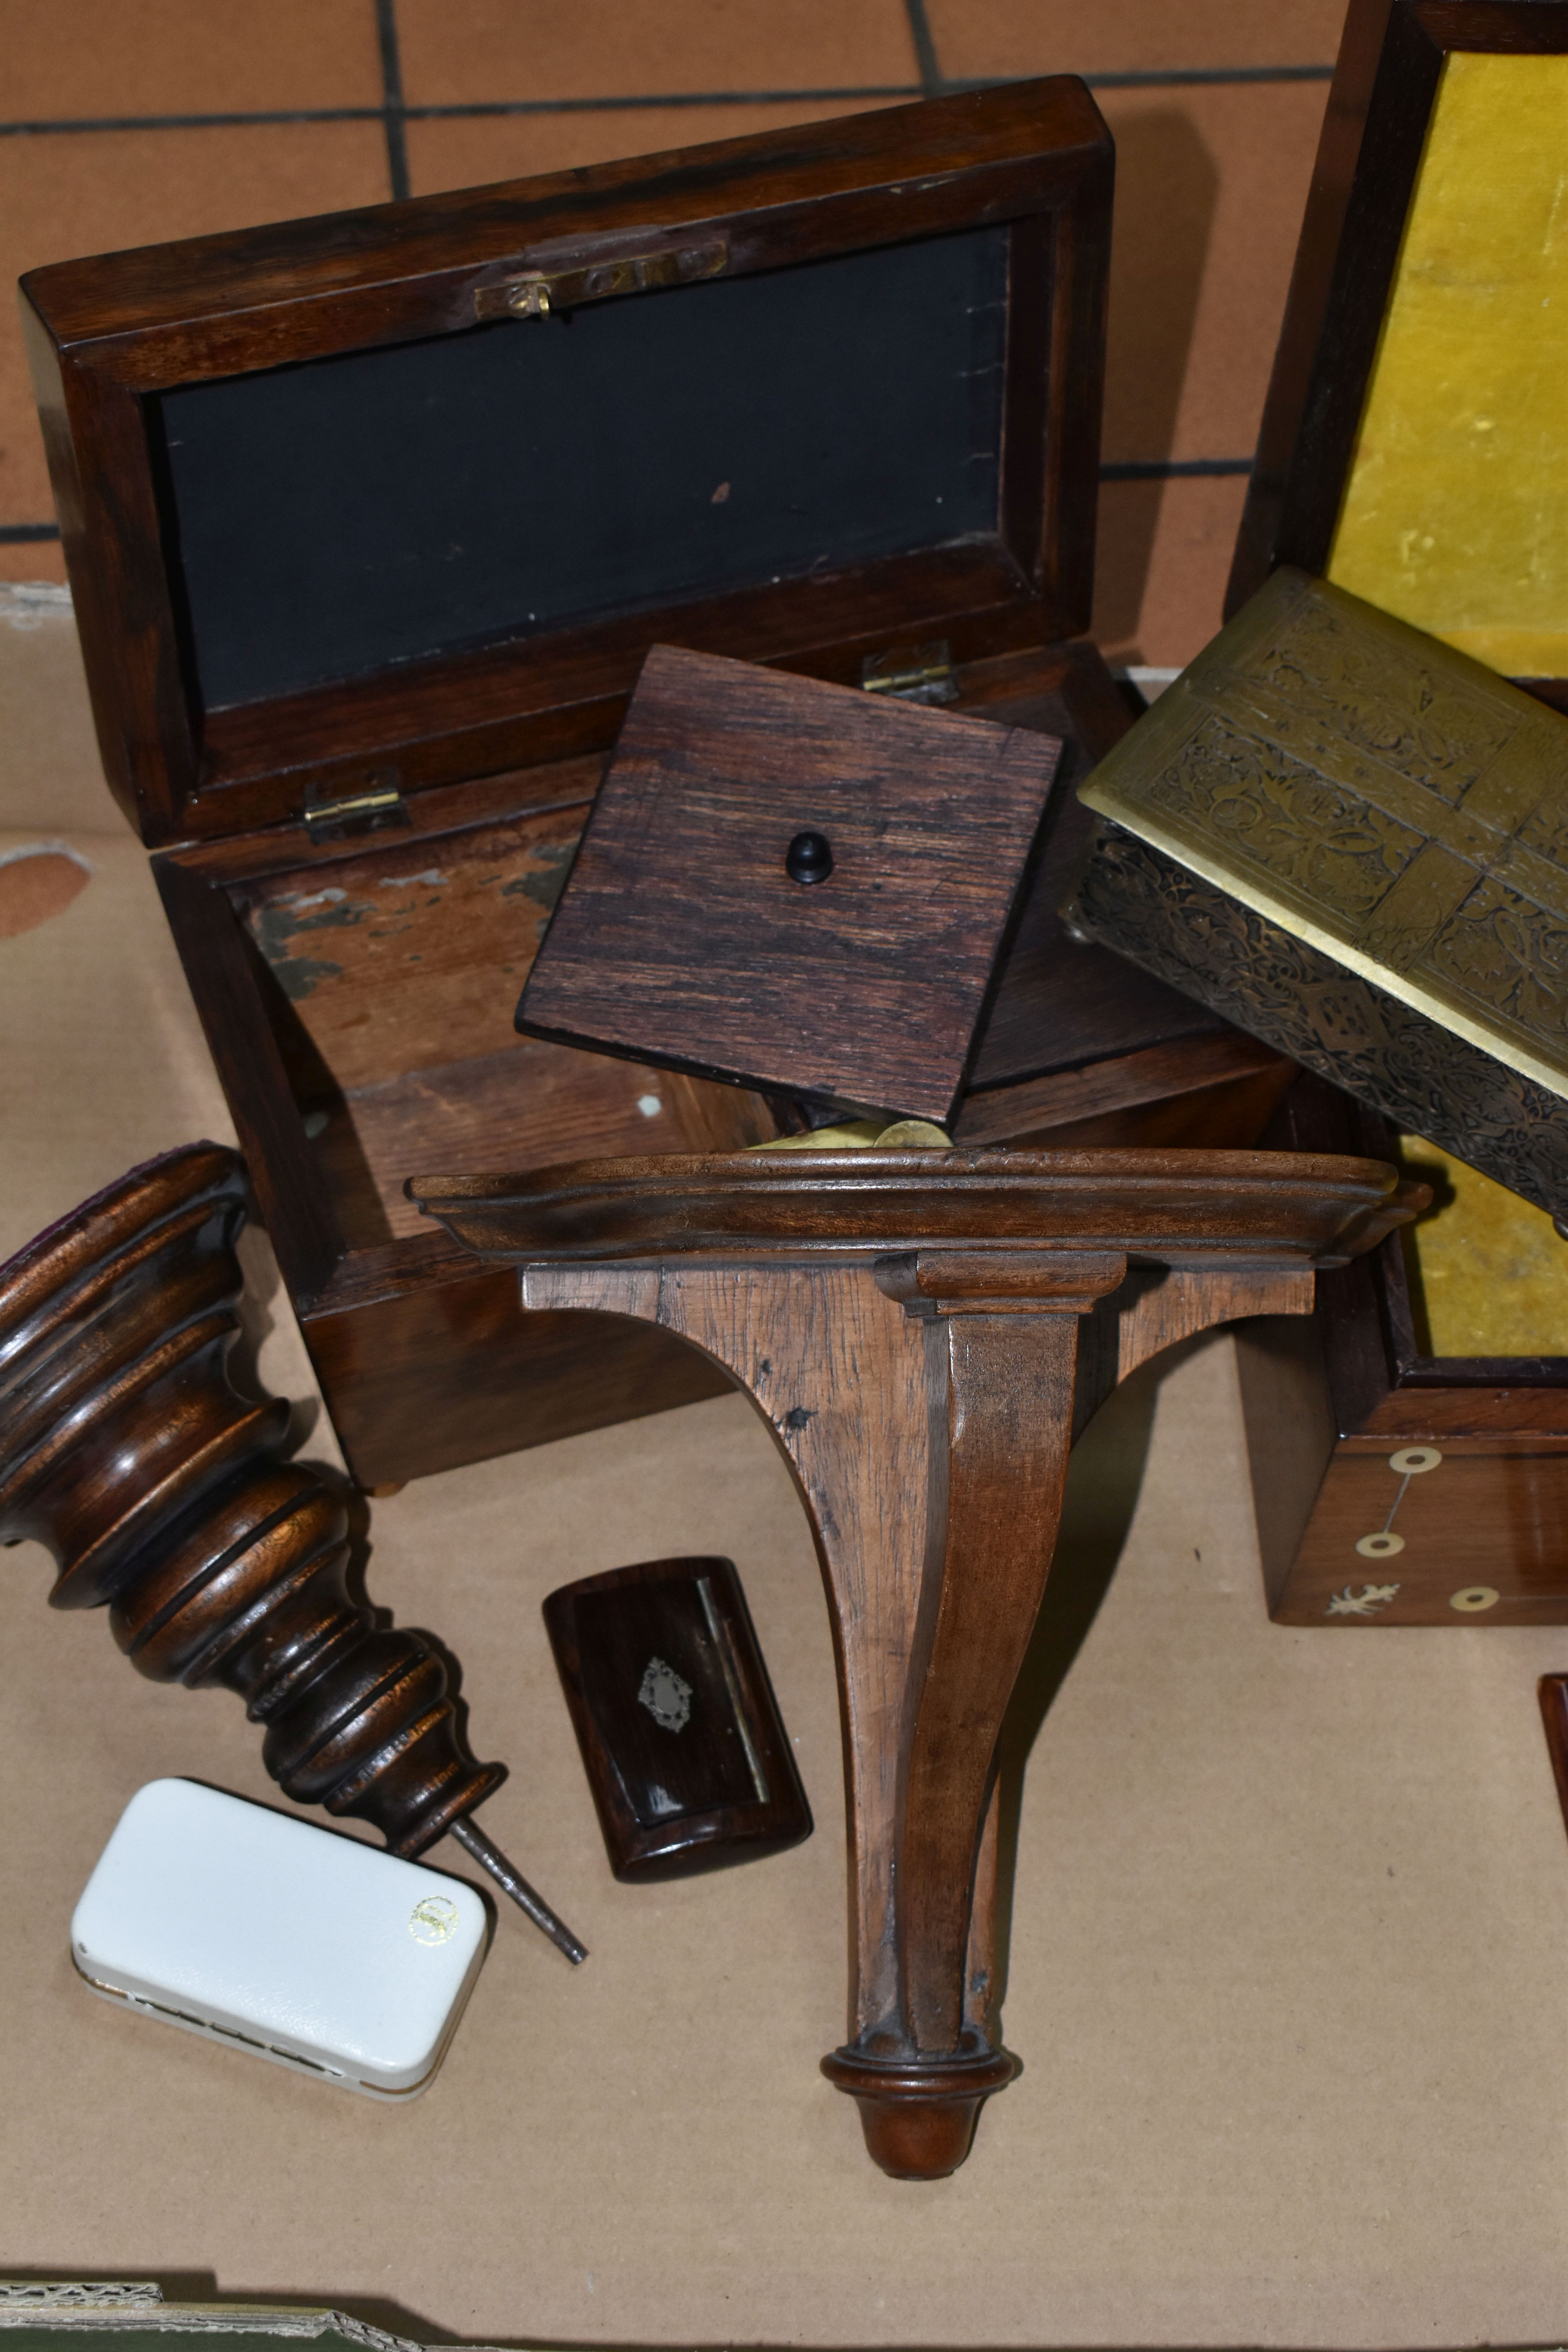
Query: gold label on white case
column 433, row 1921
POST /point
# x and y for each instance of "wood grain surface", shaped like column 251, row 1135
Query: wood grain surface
column 1230, row 1209
column 1329, row 1408
column 163, row 1492
column 1483, row 1541
column 1552, row 1690
column 681, row 936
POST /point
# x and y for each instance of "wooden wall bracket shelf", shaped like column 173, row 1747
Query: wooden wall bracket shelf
column 924, row 1334
column 162, row 1492
column 1552, row 1691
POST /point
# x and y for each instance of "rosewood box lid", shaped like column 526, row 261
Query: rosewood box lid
column 1389, row 812
column 398, row 498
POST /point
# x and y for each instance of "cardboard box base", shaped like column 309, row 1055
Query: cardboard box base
column 1288, row 1935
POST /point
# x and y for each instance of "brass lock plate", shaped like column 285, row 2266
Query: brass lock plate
column 539, row 292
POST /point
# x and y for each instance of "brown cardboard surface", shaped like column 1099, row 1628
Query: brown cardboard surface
column 1289, row 1931
column 49, row 776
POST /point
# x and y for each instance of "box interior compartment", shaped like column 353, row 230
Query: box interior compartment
column 371, row 982
column 1455, row 515
column 1426, row 1333
column 1410, row 448
column 387, row 979
column 1487, row 1272
column 384, row 972
column 434, row 497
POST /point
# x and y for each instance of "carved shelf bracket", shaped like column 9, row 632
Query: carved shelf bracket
column 924, row 1335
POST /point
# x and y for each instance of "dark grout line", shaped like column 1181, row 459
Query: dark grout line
column 393, row 109
column 478, row 107
column 932, row 82
column 1176, row 76
column 671, row 98
column 395, row 112
column 1167, row 469
column 190, row 122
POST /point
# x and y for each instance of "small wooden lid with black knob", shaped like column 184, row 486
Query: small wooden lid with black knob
column 795, row 886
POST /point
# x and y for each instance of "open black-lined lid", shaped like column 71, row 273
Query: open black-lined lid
column 404, row 495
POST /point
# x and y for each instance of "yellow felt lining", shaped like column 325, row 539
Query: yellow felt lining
column 1489, row 1276
column 1456, row 511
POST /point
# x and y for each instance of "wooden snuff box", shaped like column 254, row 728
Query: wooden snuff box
column 686, row 1753
column 1409, row 1439
column 371, row 521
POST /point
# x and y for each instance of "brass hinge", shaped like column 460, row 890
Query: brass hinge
column 378, row 803
column 540, row 291
column 912, row 672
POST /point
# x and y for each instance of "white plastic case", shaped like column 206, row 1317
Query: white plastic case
column 263, row 1932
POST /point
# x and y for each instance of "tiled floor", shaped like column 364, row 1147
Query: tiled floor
column 131, row 123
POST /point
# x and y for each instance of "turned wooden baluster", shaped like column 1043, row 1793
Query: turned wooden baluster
column 162, row 1493
column 924, row 1334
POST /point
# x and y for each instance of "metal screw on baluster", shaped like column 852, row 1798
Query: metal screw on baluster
column 164, row 1493
column 489, row 1856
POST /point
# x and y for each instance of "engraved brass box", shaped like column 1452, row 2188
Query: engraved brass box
column 1353, row 841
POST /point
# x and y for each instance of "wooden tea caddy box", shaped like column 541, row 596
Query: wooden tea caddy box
column 1442, row 136
column 1358, row 1429
column 370, row 522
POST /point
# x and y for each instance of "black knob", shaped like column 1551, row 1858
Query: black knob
column 809, row 857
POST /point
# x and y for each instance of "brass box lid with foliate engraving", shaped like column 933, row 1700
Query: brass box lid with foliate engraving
column 1377, row 795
